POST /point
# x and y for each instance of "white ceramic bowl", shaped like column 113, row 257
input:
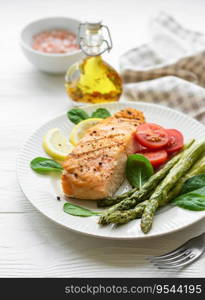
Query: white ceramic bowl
column 51, row 63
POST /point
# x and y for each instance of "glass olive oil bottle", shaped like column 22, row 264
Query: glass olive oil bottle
column 92, row 80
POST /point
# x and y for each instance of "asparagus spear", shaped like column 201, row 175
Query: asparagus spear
column 116, row 199
column 146, row 189
column 122, row 217
column 188, row 158
column 198, row 168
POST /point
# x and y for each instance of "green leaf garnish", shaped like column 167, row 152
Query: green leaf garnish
column 76, row 210
column 45, row 165
column 102, row 113
column 194, row 200
column 76, row 115
column 138, row 170
column 193, row 183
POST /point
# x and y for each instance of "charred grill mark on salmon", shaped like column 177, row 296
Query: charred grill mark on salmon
column 96, row 166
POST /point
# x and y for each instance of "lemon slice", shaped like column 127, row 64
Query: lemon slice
column 80, row 129
column 56, row 144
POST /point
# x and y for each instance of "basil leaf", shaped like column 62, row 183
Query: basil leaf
column 76, row 210
column 76, row 115
column 102, row 113
column 194, row 200
column 138, row 170
column 45, row 165
column 193, row 183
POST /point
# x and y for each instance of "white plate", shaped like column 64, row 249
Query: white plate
column 41, row 190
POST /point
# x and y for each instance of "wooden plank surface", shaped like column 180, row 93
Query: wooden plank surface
column 32, row 245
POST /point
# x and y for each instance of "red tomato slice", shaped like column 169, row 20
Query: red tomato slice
column 176, row 140
column 156, row 158
column 152, row 136
column 138, row 148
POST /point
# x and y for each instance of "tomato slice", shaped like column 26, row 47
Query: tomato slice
column 152, row 136
column 138, row 148
column 156, row 158
column 176, row 140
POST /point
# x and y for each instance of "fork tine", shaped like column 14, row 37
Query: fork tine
column 182, row 256
column 176, row 262
column 171, row 258
column 190, row 260
column 178, row 250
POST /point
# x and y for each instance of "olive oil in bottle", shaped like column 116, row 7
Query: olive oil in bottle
column 92, row 80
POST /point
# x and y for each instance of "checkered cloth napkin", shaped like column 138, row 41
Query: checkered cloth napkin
column 170, row 70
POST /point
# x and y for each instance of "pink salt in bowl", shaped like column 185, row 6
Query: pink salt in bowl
column 56, row 63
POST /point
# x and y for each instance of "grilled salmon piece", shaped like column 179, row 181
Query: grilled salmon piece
column 96, row 166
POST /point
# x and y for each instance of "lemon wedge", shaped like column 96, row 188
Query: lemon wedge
column 80, row 129
column 56, row 144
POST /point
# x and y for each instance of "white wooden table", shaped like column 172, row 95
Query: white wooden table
column 30, row 244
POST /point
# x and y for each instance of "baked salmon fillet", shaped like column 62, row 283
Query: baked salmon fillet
column 96, row 166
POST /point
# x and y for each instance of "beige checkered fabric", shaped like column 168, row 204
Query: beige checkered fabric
column 170, row 70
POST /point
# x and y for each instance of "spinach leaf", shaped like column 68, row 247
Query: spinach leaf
column 76, row 210
column 194, row 200
column 101, row 113
column 193, row 183
column 45, row 165
column 77, row 115
column 138, row 170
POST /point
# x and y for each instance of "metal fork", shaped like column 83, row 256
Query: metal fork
column 182, row 256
